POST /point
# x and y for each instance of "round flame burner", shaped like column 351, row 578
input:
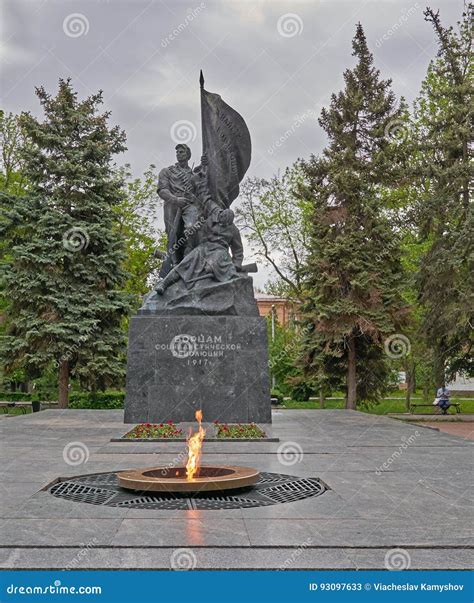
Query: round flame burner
column 104, row 489
column 210, row 479
column 193, row 487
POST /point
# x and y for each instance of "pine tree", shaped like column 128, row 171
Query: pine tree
column 442, row 161
column 353, row 274
column 65, row 275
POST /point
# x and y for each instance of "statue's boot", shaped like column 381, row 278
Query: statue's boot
column 170, row 278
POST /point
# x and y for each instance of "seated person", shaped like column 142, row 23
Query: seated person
column 211, row 258
column 442, row 396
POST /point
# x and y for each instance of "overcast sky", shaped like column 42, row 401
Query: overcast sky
column 275, row 62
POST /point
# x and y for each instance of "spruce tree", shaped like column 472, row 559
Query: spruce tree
column 353, row 273
column 65, row 277
column 442, row 163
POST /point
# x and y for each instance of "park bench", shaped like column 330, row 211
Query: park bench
column 21, row 405
column 414, row 405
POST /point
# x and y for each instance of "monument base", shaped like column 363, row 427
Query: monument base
column 179, row 364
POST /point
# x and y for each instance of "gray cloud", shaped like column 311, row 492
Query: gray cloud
column 146, row 57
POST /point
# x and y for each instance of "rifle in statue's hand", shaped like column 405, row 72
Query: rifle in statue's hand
column 247, row 268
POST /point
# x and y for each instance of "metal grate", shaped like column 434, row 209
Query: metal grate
column 104, row 480
column 80, row 493
column 153, row 502
column 271, row 478
column 294, row 490
column 229, row 502
column 271, row 489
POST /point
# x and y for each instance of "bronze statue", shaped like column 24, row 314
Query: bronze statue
column 211, row 258
column 198, row 340
column 204, row 248
column 176, row 188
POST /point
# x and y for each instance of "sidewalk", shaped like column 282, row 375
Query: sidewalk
column 463, row 429
column 386, row 482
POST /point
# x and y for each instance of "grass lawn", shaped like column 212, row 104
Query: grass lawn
column 395, row 403
column 15, row 411
column 385, row 406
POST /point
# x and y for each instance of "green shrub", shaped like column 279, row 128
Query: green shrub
column 300, row 391
column 44, row 396
column 15, row 396
column 105, row 400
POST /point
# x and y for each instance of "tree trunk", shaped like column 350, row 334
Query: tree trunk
column 351, row 374
column 321, row 398
column 413, row 379
column 409, row 367
column 409, row 389
column 426, row 392
column 63, row 384
column 439, row 367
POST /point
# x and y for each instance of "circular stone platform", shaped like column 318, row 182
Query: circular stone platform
column 104, row 489
column 173, row 479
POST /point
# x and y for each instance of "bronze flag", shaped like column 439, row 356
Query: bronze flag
column 226, row 143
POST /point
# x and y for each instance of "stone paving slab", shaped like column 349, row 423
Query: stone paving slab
column 391, row 484
column 58, row 531
column 287, row 558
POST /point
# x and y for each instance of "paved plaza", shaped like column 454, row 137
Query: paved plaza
column 391, row 485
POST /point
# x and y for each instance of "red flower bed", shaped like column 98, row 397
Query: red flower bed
column 155, row 430
column 236, row 431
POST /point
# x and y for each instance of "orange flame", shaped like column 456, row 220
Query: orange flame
column 194, row 449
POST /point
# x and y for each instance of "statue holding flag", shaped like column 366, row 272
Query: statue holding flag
column 226, row 145
column 198, row 341
column 202, row 271
column 181, row 215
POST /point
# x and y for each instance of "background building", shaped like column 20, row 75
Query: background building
column 286, row 310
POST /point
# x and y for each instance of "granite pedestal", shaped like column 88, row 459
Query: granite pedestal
column 178, row 364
